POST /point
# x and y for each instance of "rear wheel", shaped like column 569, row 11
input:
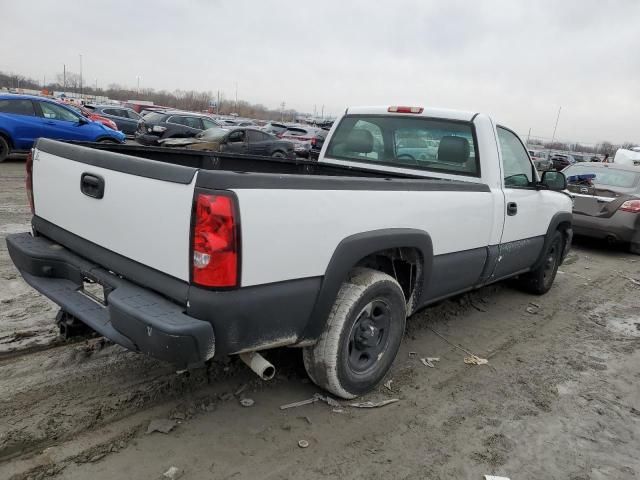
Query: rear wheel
column 362, row 335
column 540, row 280
column 5, row 150
column 108, row 140
column 278, row 154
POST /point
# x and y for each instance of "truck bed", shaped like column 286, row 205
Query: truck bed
column 239, row 163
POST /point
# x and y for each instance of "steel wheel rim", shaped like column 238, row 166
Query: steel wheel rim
column 549, row 265
column 369, row 336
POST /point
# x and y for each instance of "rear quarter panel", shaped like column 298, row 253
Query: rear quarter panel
column 289, row 234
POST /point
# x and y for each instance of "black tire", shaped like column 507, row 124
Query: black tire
column 278, row 154
column 362, row 335
column 5, row 150
column 540, row 280
column 108, row 140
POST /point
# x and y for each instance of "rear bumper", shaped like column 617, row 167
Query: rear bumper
column 623, row 226
column 134, row 317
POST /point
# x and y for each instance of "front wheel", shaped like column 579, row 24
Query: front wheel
column 109, row 140
column 278, row 154
column 362, row 335
column 540, row 280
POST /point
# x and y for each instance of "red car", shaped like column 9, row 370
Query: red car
column 93, row 116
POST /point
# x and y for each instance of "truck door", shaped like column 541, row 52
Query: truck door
column 527, row 215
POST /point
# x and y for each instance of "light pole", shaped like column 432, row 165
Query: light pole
column 81, row 75
column 235, row 109
column 138, row 91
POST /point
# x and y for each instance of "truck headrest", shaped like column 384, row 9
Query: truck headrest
column 453, row 149
column 360, row 141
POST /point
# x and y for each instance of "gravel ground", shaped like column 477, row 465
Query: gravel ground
column 559, row 398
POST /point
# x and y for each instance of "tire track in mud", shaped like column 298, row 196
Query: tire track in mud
column 103, row 383
column 56, row 394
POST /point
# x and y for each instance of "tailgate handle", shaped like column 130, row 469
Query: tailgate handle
column 92, row 185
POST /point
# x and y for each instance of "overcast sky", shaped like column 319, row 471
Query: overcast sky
column 518, row 60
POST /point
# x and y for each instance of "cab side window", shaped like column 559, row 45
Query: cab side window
column 516, row 166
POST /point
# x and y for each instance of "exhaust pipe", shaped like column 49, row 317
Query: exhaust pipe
column 259, row 364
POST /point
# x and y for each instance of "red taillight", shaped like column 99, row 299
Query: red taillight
column 632, row 206
column 395, row 109
column 313, row 141
column 28, row 180
column 215, row 241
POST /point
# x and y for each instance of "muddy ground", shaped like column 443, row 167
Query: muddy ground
column 559, row 398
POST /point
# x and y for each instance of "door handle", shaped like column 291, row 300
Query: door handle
column 512, row 208
column 92, row 185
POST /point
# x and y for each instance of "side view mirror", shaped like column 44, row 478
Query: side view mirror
column 82, row 121
column 553, row 180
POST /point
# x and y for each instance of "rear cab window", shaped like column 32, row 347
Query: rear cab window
column 438, row 145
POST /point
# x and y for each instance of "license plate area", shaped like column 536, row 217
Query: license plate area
column 93, row 290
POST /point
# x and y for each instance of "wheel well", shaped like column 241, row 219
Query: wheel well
column 405, row 265
column 7, row 138
column 562, row 228
column 111, row 139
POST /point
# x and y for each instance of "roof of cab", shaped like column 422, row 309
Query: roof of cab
column 427, row 112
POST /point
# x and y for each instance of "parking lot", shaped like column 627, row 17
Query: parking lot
column 559, row 397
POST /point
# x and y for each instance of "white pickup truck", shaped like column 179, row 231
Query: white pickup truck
column 199, row 254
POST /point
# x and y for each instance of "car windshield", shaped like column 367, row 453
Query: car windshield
column 212, row 134
column 606, row 176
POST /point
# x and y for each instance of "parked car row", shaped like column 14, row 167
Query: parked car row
column 125, row 118
column 172, row 127
column 606, row 200
column 240, row 140
column 157, row 126
column 25, row 118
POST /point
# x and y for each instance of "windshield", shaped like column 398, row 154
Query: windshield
column 605, row 176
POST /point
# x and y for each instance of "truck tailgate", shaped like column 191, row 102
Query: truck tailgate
column 143, row 214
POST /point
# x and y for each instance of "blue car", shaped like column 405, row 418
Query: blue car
column 25, row 118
